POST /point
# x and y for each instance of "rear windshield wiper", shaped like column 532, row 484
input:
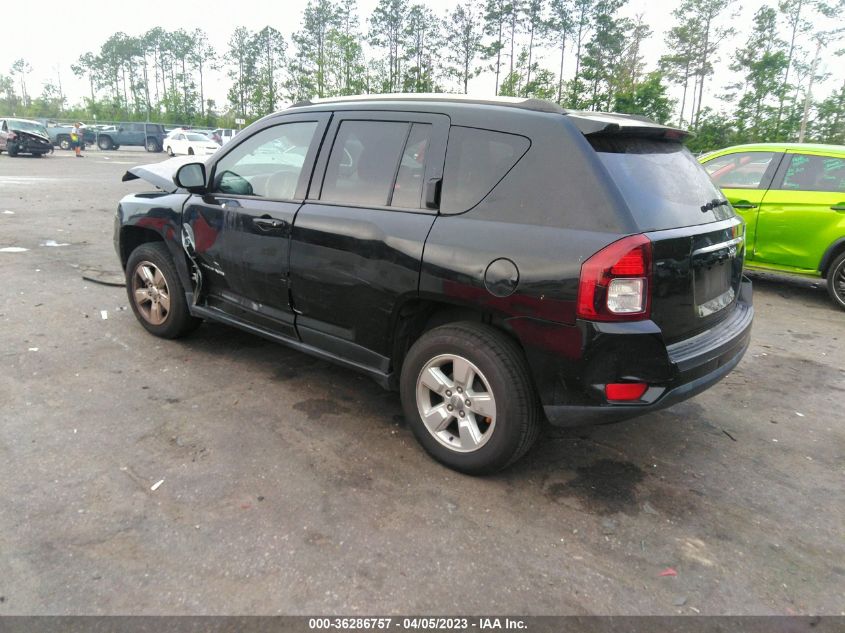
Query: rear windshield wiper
column 715, row 202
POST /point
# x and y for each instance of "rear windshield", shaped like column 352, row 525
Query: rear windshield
column 662, row 183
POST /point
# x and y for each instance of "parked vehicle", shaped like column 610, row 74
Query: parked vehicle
column 792, row 197
column 60, row 135
column 147, row 135
column 21, row 136
column 181, row 143
column 223, row 135
column 574, row 265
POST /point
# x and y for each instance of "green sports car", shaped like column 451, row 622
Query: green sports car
column 792, row 197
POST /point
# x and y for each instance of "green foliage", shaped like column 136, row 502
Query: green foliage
column 464, row 33
column 529, row 46
column 647, row 98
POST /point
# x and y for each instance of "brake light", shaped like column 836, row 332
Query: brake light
column 625, row 391
column 615, row 282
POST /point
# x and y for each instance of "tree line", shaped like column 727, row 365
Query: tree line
column 582, row 54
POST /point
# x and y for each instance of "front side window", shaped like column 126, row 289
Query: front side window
column 268, row 164
column 743, row 170
column 815, row 173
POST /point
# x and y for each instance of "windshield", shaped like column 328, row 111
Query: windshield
column 198, row 137
column 662, row 183
column 27, row 126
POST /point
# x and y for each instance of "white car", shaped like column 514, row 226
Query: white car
column 189, row 143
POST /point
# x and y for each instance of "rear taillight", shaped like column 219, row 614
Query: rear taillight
column 615, row 282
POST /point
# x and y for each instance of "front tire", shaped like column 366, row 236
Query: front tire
column 190, row 151
column 12, row 149
column 469, row 399
column 64, row 142
column 156, row 293
column 836, row 281
column 105, row 143
column 152, row 145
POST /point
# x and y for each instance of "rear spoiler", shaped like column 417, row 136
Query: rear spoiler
column 623, row 124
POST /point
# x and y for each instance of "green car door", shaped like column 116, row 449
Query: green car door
column 803, row 213
column 744, row 178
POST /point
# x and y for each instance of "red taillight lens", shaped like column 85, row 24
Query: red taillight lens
column 625, row 390
column 615, row 282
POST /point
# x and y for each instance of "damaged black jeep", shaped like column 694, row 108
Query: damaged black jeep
column 499, row 262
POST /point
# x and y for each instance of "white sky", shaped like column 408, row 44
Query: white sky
column 64, row 33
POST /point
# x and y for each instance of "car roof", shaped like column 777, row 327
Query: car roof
column 587, row 121
column 780, row 147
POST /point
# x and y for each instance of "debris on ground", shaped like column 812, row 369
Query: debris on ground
column 54, row 243
column 13, row 249
column 156, row 485
column 33, row 349
column 668, row 572
column 729, row 435
column 679, row 601
column 104, row 314
column 104, row 277
column 8, row 212
column 799, row 414
column 608, row 526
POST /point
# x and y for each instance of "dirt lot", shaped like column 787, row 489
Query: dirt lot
column 291, row 486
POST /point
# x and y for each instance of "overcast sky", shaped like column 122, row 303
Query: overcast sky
column 57, row 33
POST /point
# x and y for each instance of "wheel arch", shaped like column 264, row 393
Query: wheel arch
column 131, row 237
column 833, row 251
column 416, row 315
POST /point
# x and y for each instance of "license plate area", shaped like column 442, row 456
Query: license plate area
column 713, row 277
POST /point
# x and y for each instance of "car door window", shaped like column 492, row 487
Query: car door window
column 363, row 162
column 743, row 170
column 268, row 164
column 815, row 173
column 407, row 191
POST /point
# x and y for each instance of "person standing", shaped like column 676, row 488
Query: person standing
column 77, row 138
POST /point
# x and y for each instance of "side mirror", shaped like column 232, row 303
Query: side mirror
column 191, row 177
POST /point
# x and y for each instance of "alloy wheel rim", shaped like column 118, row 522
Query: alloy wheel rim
column 839, row 283
column 151, row 293
column 456, row 403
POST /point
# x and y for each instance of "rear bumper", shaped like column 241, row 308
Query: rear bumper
column 696, row 364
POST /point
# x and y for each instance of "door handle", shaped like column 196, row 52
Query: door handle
column 838, row 207
column 744, row 205
column 266, row 223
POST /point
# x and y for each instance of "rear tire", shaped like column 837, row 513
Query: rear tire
column 836, row 281
column 156, row 293
column 476, row 363
column 152, row 145
column 12, row 149
column 190, row 151
column 170, row 151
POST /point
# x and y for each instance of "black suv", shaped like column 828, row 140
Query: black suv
column 497, row 261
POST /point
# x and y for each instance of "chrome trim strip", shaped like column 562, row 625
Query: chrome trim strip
column 718, row 247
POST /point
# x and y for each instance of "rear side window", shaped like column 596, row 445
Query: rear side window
column 744, row 170
column 815, row 173
column 363, row 162
column 476, row 160
column 661, row 182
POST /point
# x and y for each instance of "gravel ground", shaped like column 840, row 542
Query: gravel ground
column 291, row 486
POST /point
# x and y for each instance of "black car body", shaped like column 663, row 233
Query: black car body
column 589, row 251
column 21, row 136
